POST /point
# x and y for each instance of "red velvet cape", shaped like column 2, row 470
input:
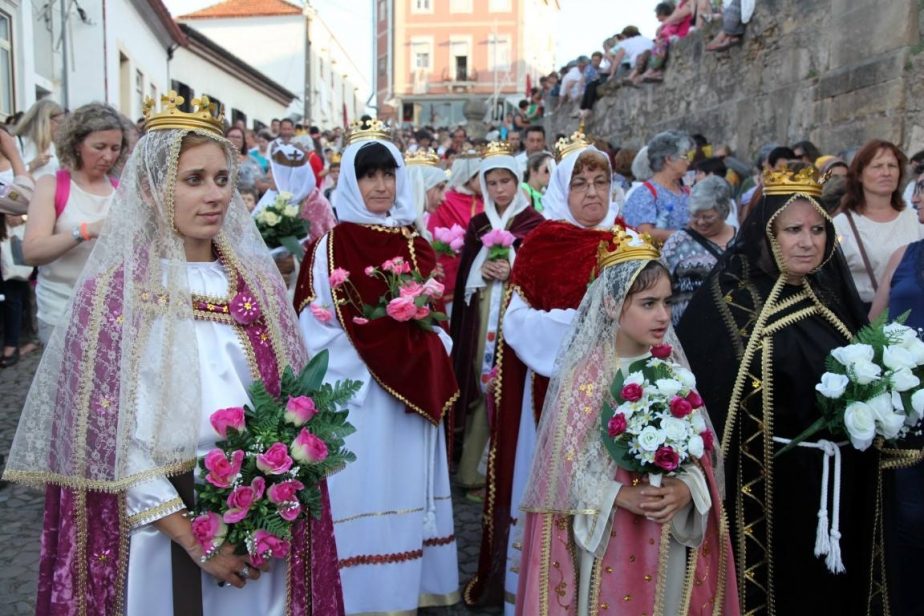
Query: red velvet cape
column 552, row 270
column 408, row 362
column 456, row 209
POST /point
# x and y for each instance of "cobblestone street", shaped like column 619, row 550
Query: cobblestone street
column 21, row 515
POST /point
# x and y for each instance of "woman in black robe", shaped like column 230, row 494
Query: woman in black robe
column 756, row 334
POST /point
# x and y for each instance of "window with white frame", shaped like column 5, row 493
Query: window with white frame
column 499, row 52
column 460, row 6
column 6, row 65
column 139, row 91
column 460, row 57
column 499, row 6
column 421, row 6
column 422, row 53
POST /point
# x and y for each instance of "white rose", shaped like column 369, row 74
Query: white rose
column 861, row 424
column 898, row 333
column 904, row 379
column 675, row 429
column 897, row 403
column 916, row 348
column 917, row 403
column 284, row 195
column 651, row 438
column 291, row 211
column 634, row 378
column 685, row 377
column 668, row 387
column 271, row 219
column 832, row 385
column 865, row 372
column 853, row 353
column 896, row 357
column 627, row 409
column 696, row 447
column 888, row 422
column 698, row 422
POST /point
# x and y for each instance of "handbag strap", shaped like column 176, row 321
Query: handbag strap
column 866, row 263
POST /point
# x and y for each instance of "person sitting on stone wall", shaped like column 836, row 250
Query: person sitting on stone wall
column 675, row 24
column 631, row 53
column 735, row 14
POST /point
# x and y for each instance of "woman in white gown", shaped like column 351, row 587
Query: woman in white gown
column 179, row 309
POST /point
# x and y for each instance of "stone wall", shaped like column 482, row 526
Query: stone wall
column 836, row 72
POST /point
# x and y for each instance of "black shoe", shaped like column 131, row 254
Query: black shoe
column 12, row 360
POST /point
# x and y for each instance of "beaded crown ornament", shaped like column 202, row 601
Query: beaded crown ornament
column 372, row 129
column 206, row 115
column 786, row 182
column 629, row 245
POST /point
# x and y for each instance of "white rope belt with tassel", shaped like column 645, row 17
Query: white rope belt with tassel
column 827, row 541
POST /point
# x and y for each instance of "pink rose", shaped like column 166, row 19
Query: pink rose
column 433, row 288
column 275, row 460
column 266, row 544
column 323, row 315
column 457, row 244
column 617, row 425
column 241, row 499
column 209, row 531
column 284, row 491
column 222, row 419
column 338, row 277
column 360, row 320
column 631, row 392
column 369, row 271
column 397, row 266
column 410, row 289
column 289, row 511
column 422, row 312
column 694, row 399
column 497, row 237
column 680, row 408
column 708, row 440
column 221, row 471
column 401, row 308
column 308, row 448
column 300, row 410
column 442, row 234
column 661, row 351
column 666, row 458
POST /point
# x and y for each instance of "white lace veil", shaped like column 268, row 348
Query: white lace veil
column 100, row 393
column 572, row 470
column 555, row 200
column 348, row 201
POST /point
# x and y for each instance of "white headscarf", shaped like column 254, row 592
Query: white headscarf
column 297, row 178
column 348, row 201
column 463, row 170
column 555, row 200
column 422, row 179
column 520, row 202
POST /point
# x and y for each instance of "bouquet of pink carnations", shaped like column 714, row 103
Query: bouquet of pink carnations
column 264, row 474
column 498, row 243
column 409, row 297
column 448, row 241
column 656, row 421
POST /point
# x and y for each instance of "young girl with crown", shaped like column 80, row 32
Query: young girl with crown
column 599, row 537
column 178, row 310
column 392, row 507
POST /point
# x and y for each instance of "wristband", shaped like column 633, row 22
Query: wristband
column 84, row 232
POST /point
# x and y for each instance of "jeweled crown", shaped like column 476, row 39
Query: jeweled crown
column 577, row 141
column 422, row 156
column 787, row 182
column 629, row 245
column 206, row 115
column 367, row 130
column 471, row 153
column 498, row 148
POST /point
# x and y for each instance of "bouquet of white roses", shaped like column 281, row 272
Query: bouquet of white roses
column 280, row 224
column 657, row 422
column 872, row 386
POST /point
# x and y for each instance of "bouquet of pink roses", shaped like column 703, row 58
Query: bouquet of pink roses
column 409, row 297
column 265, row 472
column 448, row 241
column 498, row 243
column 656, row 423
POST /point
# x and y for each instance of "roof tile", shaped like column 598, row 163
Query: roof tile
column 245, row 8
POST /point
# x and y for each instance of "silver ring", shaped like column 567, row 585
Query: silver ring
column 245, row 572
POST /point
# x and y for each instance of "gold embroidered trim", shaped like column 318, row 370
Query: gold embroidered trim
column 333, row 292
column 894, row 458
column 83, row 560
column 688, row 579
column 309, row 263
column 433, row 600
column 122, row 573
column 767, row 397
column 593, row 603
column 155, row 513
column 360, row 516
column 544, row 564
column 664, row 552
column 723, row 561
column 41, row 479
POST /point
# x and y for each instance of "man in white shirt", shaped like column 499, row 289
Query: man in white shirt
column 631, row 47
column 534, row 143
column 571, row 83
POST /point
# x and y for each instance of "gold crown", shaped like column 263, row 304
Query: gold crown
column 423, row 156
column 470, row 153
column 335, row 158
column 498, row 148
column 577, row 141
column 368, row 130
column 206, row 115
column 787, row 182
column 630, row 245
